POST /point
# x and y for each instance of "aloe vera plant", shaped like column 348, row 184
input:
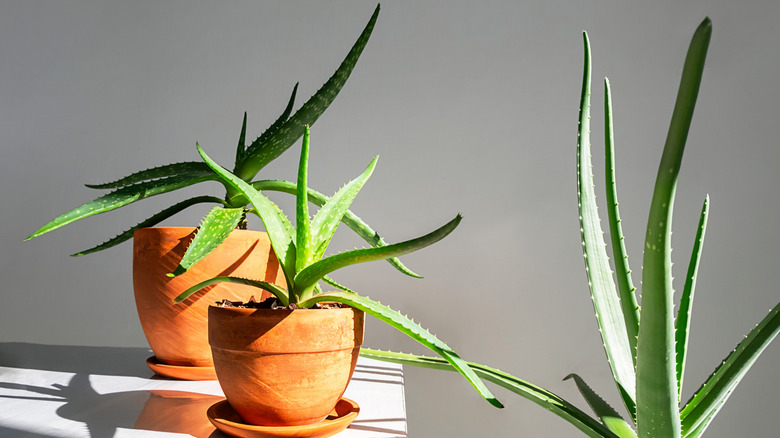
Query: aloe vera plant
column 300, row 250
column 646, row 347
column 250, row 159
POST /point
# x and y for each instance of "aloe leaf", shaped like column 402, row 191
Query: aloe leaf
column 336, row 284
column 165, row 171
column 260, row 154
column 683, row 323
column 602, row 288
column 241, row 147
column 606, row 413
column 327, row 219
column 409, row 328
column 350, row 219
column 529, row 391
column 121, row 197
column 279, row 292
column 303, row 244
column 711, row 396
column 317, row 270
column 277, row 226
column 215, row 228
column 696, row 433
column 150, row 222
column 625, row 284
column 657, row 401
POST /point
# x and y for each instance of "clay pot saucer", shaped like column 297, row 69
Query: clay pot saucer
column 181, row 372
column 227, row 420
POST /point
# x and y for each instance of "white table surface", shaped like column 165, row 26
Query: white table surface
column 106, row 392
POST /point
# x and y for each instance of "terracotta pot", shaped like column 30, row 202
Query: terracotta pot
column 284, row 367
column 178, row 332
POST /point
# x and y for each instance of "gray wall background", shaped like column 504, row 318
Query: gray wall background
column 473, row 108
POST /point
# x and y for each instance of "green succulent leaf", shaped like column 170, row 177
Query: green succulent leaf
column 409, row 328
column 529, row 391
column 606, row 413
column 303, row 237
column 328, row 217
column 123, row 196
column 710, row 397
column 336, row 284
column 683, row 323
column 241, row 147
column 625, row 284
column 152, row 221
column 215, row 228
column 277, row 225
column 313, row 273
column 168, row 170
column 350, row 219
column 278, row 292
column 657, row 401
column 699, row 431
column 259, row 154
column 602, row 287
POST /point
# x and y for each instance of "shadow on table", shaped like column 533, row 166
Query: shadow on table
column 113, row 361
column 103, row 414
column 16, row 433
column 366, row 425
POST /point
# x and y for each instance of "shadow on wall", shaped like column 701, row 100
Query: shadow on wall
column 114, row 361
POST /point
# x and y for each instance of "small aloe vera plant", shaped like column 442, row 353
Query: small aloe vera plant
column 300, row 250
column 646, row 347
column 250, row 159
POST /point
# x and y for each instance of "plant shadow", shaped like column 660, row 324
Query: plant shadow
column 102, row 415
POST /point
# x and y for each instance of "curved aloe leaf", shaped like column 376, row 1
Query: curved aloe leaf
column 260, row 154
column 606, row 413
column 409, row 328
column 602, row 287
column 350, row 219
column 336, row 284
column 241, row 150
column 303, row 239
column 277, row 225
column 683, row 323
column 327, row 219
column 152, row 221
column 657, row 401
column 529, row 391
column 168, row 170
column 313, row 273
column 709, row 398
column 626, row 287
column 121, row 197
column 696, row 433
column 279, row 292
column 215, row 228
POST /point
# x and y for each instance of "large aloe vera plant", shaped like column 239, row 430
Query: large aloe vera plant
column 646, row 346
column 300, row 249
column 250, row 159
